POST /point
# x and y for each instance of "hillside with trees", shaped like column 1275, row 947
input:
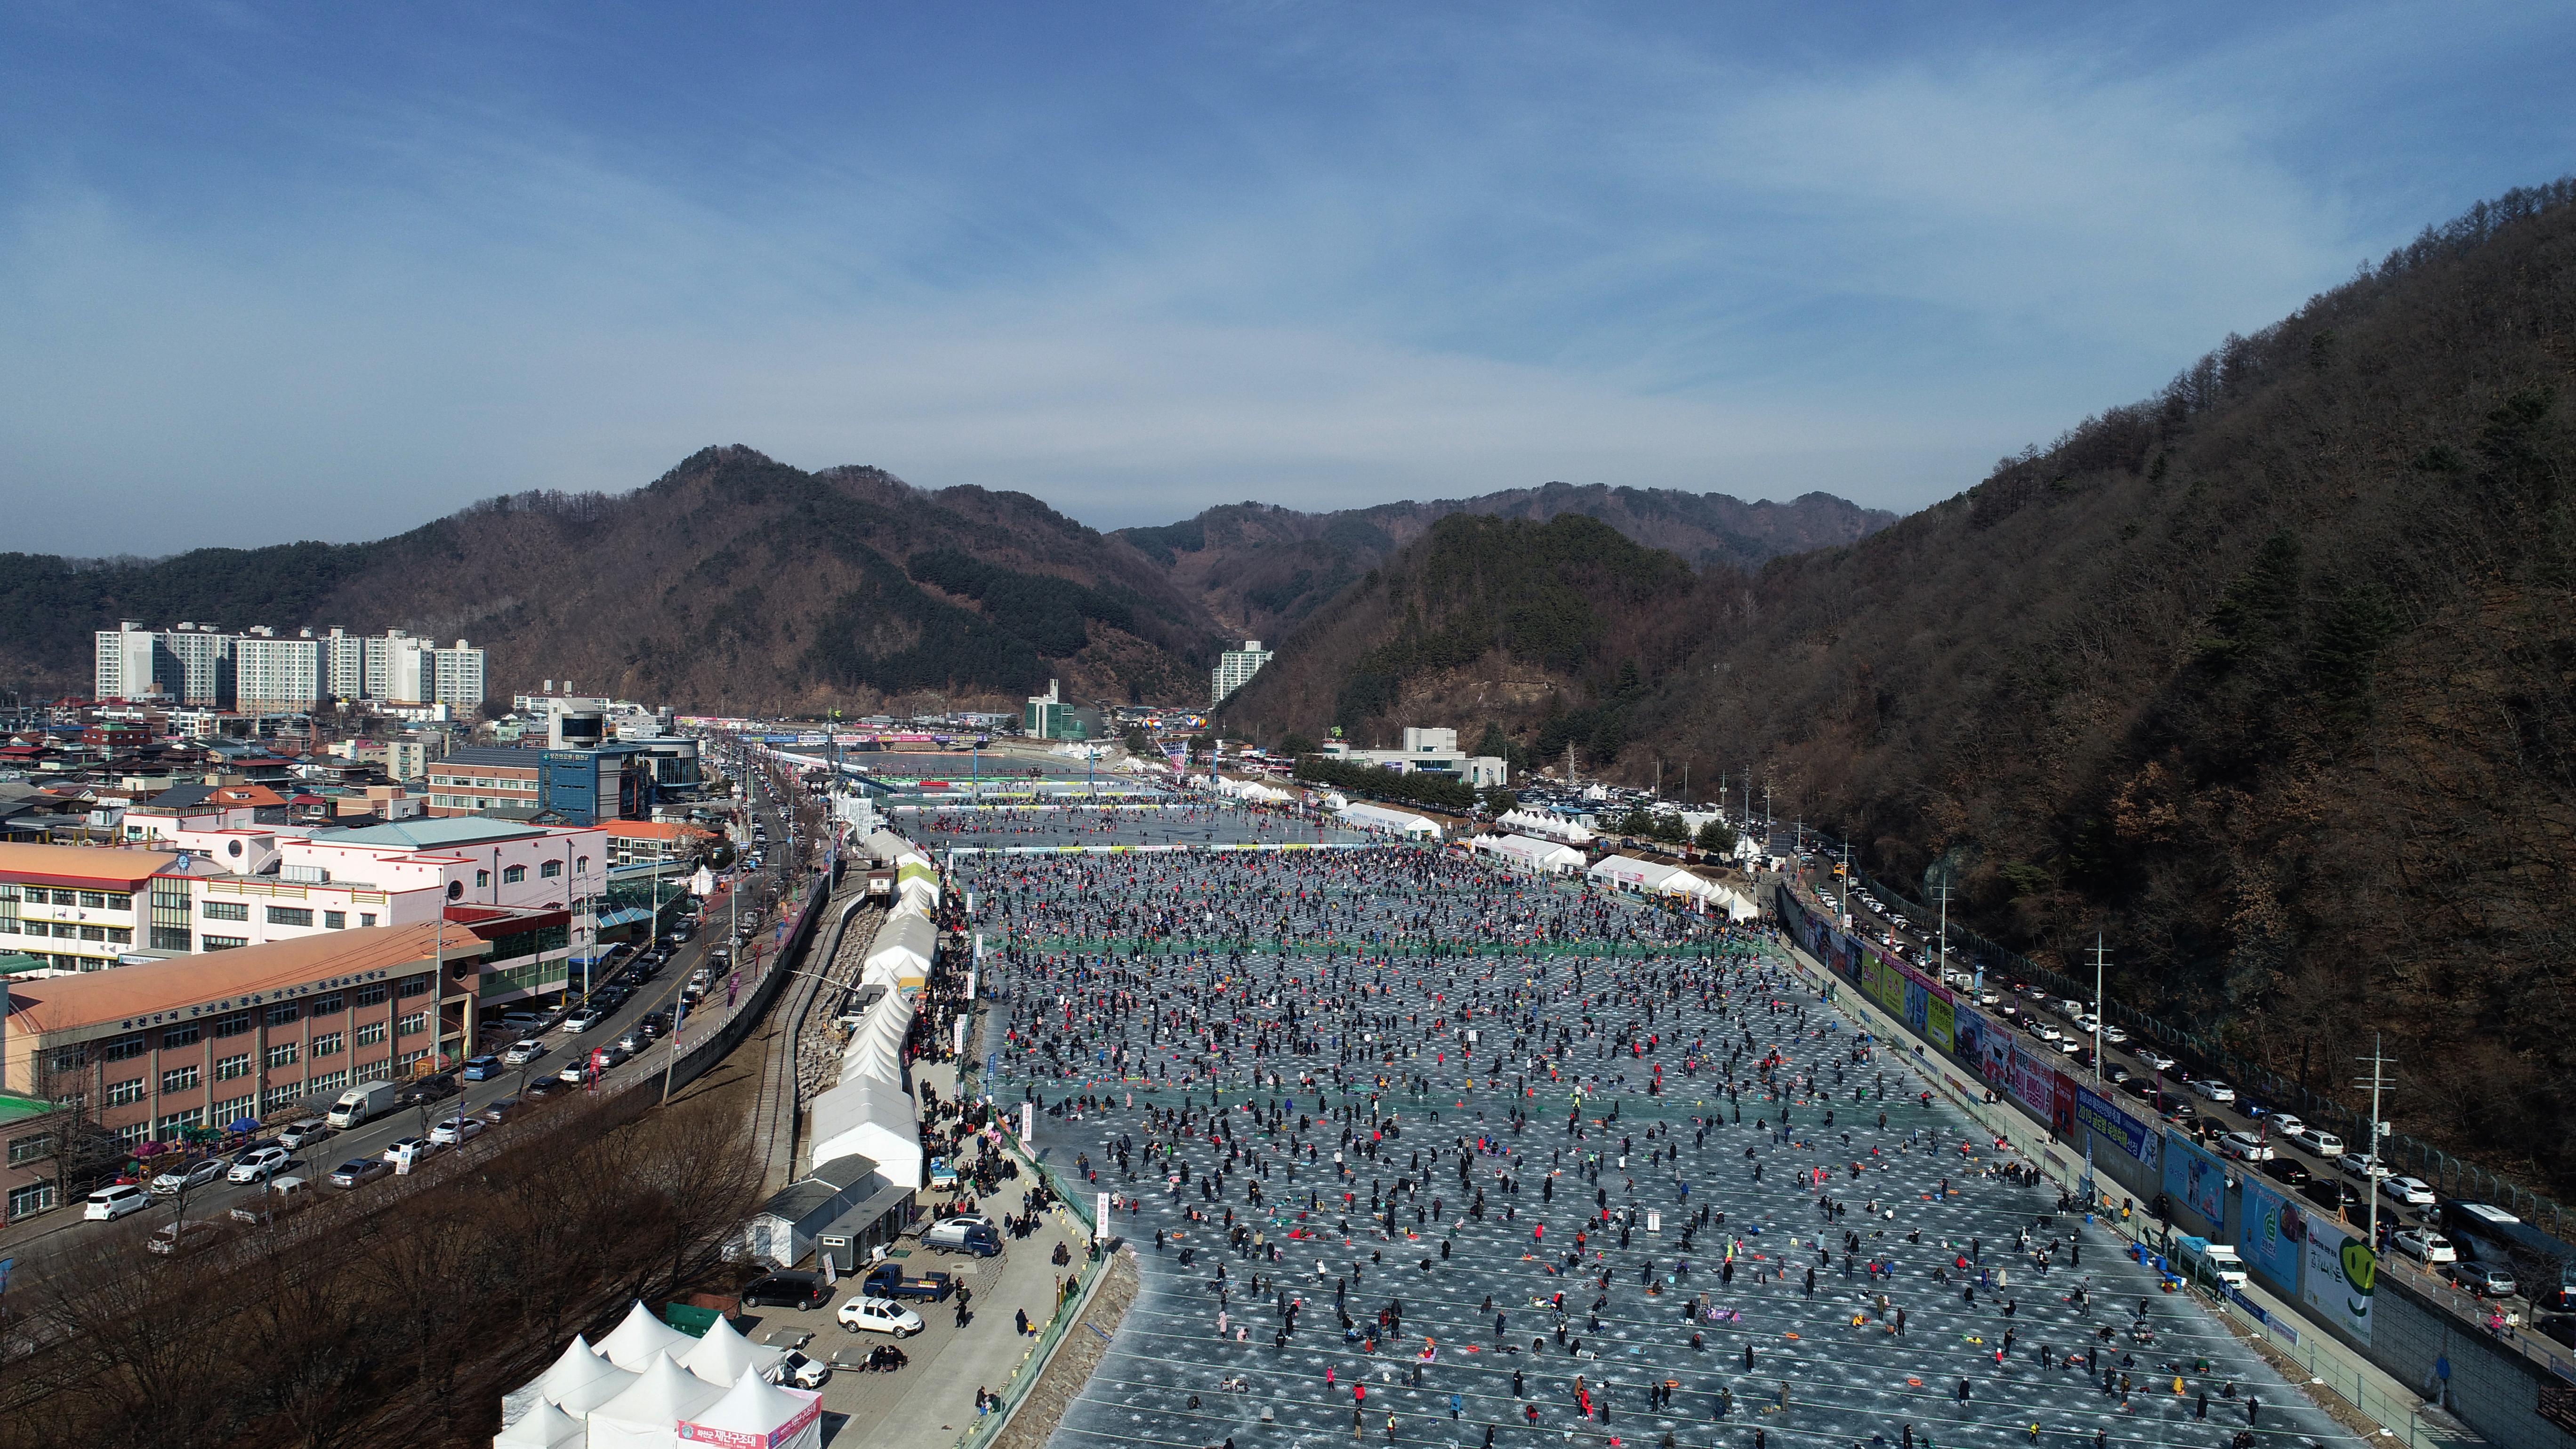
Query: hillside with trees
column 2269, row 678
column 1261, row 570
column 731, row 583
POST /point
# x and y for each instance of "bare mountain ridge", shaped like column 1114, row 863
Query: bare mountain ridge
column 1260, row 568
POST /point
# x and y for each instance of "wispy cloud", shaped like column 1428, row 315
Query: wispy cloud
column 291, row 282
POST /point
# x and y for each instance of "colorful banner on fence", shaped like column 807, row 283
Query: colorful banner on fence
column 2271, row 1233
column 2123, row 1131
column 2034, row 1083
column 1942, row 1025
column 2195, row 1178
column 2338, row 1277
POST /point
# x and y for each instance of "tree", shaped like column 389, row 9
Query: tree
column 1717, row 836
column 1293, row 744
column 1498, row 800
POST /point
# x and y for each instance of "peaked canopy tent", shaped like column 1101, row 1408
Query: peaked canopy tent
column 902, row 951
column 638, row 1340
column 1520, row 852
column 724, row 1356
column 916, row 882
column 757, row 1412
column 648, row 1415
column 876, row 1047
column 1393, row 822
column 543, row 1427
column 872, row 1119
column 1546, row 827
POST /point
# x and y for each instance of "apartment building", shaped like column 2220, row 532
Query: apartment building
column 75, row 908
column 261, row 671
column 480, row 778
column 1234, row 669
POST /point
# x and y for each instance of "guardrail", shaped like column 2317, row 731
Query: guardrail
column 2448, row 1174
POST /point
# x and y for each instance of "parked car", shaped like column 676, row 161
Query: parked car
column 482, row 1069
column 955, row 1236
column 2360, row 1165
column 2426, row 1246
column 2214, row 1089
column 414, row 1148
column 879, row 1315
column 2285, row 1125
column 2484, row 1279
column 654, row 1023
column 110, row 1203
column 2318, row 1141
column 584, row 1019
column 258, row 1164
column 2246, row 1146
column 2412, row 1191
column 301, row 1135
column 188, row 1176
column 359, row 1171
column 2155, row 1059
column 427, row 1089
column 2331, row 1193
column 803, row 1372
column 285, row 1195
column 787, row 1290
column 501, row 1111
column 2287, row 1170
column 456, row 1131
column 523, row 1052
column 543, row 1089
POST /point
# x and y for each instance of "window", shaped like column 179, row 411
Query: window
column 120, row 935
column 376, row 1071
column 30, row 1148
column 374, row 995
column 550, row 869
column 289, row 916
column 223, row 943
column 327, row 1082
column 414, row 1024
column 179, row 1036
column 168, row 938
column 413, row 985
column 285, row 1015
column 335, row 920
column 366, row 918
column 180, row 1121
column 512, row 875
column 482, row 878
column 284, row 1054
column 34, row 1198
column 120, row 901
column 71, row 1059
column 132, row 1134
column 370, row 1033
column 233, row 1109
column 408, row 1060
column 277, row 1097
column 581, row 865
column 226, row 911
column 93, row 933
column 232, row 1025
column 327, row 1044
column 126, row 1093
column 179, row 1079
column 236, row 1065
column 121, row 1048
column 94, row 900
column 325, row 1005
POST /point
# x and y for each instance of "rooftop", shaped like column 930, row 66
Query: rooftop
column 429, row 834
column 93, row 998
column 490, row 756
column 82, row 864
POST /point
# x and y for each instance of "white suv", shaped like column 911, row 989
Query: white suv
column 110, row 1203
column 879, row 1315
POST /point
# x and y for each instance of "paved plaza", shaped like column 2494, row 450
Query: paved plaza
column 1417, row 1152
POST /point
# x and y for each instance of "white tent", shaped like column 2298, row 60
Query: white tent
column 633, row 1344
column 1397, row 822
column 873, row 1119
column 876, row 1048
column 914, row 880
column 543, row 1427
column 648, row 1415
column 1635, row 874
column 757, row 1412
column 724, row 1355
column 578, row 1364
column 582, row 1398
column 902, row 951
column 1520, row 852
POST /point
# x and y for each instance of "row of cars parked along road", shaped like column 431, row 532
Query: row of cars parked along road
column 2458, row 1241
column 366, row 1122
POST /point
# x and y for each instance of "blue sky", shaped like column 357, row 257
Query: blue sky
column 326, row 271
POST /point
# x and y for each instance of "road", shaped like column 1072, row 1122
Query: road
column 37, row 1243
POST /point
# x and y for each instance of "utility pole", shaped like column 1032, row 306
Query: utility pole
column 2099, row 956
column 1846, row 905
column 2377, row 1082
column 1941, row 898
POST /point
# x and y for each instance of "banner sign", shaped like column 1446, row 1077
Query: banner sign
column 2195, row 1177
column 1941, row 1024
column 2034, row 1083
column 2273, row 1234
column 2338, row 1277
column 2124, row 1131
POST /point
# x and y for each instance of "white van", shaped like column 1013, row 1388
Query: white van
column 2218, row 1260
column 361, row 1104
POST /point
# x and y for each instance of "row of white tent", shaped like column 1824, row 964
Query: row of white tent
column 1252, row 790
column 1647, row 877
column 1520, row 852
column 915, row 880
column 1378, row 818
column 649, row 1386
column 1545, row 827
column 868, row 1112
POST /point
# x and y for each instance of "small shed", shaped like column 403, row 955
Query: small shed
column 782, row 1232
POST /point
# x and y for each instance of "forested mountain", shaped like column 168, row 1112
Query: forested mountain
column 1261, row 569
column 733, row 582
column 2270, row 678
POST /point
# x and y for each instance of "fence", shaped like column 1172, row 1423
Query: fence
column 1032, row 1366
column 2448, row 1174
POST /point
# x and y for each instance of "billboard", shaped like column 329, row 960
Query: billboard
column 2034, row 1083
column 2337, row 1277
column 2272, row 1236
column 2120, row 1129
column 2196, row 1179
column 1942, row 1025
